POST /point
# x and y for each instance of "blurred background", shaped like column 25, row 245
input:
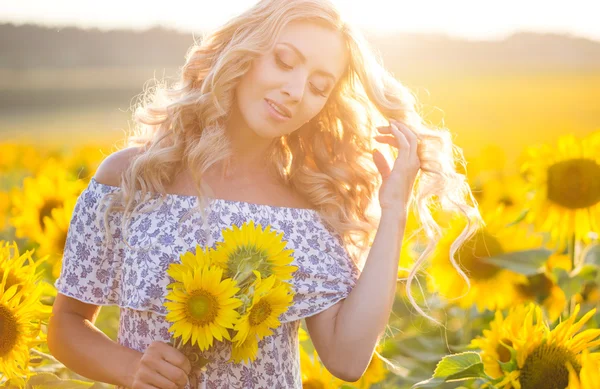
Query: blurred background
column 503, row 73
column 516, row 82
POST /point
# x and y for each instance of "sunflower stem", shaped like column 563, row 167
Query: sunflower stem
column 572, row 255
column 466, row 335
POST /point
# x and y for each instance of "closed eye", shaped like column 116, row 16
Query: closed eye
column 283, row 64
column 288, row 67
column 321, row 92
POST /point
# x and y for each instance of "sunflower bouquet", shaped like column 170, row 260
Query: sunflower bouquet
column 235, row 292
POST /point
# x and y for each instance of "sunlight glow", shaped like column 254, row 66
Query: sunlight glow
column 469, row 19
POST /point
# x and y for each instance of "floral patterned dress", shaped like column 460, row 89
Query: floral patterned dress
column 130, row 271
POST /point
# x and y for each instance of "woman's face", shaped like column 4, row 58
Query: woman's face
column 297, row 77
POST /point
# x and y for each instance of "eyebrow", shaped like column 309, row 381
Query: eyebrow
column 303, row 58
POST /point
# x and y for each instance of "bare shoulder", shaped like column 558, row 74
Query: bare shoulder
column 110, row 170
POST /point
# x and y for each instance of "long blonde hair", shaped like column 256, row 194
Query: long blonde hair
column 328, row 160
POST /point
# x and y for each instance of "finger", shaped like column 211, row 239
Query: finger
column 410, row 135
column 147, row 386
column 157, row 380
column 403, row 143
column 172, row 373
column 390, row 140
column 381, row 163
column 176, row 358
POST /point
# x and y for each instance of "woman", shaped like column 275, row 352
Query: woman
column 273, row 120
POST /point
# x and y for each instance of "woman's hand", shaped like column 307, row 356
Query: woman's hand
column 397, row 182
column 161, row 366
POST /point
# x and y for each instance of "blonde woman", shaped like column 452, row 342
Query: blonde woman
column 274, row 119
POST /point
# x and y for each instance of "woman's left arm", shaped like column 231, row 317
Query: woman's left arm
column 364, row 314
column 345, row 335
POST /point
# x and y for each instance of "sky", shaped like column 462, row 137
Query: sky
column 468, row 19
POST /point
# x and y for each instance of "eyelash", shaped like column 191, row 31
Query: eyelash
column 288, row 67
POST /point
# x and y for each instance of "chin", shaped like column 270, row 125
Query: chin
column 265, row 130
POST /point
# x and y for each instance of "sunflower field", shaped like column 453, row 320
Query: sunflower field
column 523, row 313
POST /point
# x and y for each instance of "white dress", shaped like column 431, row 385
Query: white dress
column 135, row 278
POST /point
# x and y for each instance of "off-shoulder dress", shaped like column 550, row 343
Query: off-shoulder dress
column 131, row 273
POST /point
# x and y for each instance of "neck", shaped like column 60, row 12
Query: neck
column 249, row 150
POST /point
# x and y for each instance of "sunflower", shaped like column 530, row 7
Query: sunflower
column 202, row 306
column 314, row 374
column 249, row 248
column 542, row 289
column 4, row 207
column 589, row 376
column 503, row 196
column 535, row 355
column 566, row 188
column 52, row 241
column 19, row 269
column 590, row 294
column 16, row 157
column 495, row 190
column 492, row 287
column 516, row 330
column 270, row 299
column 20, row 315
column 189, row 262
column 489, row 163
column 50, row 189
column 84, row 160
column 248, row 350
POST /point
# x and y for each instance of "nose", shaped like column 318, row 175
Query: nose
column 294, row 88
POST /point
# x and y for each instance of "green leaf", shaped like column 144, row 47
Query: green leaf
column 455, row 367
column 512, row 364
column 571, row 283
column 527, row 262
column 593, row 255
column 587, row 272
column 519, row 219
column 457, row 364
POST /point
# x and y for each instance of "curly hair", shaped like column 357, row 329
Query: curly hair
column 328, row 160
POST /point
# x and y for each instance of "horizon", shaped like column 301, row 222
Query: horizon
column 463, row 19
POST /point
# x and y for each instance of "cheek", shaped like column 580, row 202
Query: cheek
column 310, row 108
column 261, row 74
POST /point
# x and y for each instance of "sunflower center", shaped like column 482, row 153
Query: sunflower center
column 483, row 245
column 202, row 307
column 574, row 183
column 539, row 287
column 589, row 290
column 46, row 210
column 503, row 352
column 545, row 368
column 259, row 312
column 8, row 331
column 312, row 383
column 506, row 200
column 244, row 260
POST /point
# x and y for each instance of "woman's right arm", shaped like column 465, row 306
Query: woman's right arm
column 75, row 341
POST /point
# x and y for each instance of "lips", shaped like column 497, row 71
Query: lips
column 281, row 108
